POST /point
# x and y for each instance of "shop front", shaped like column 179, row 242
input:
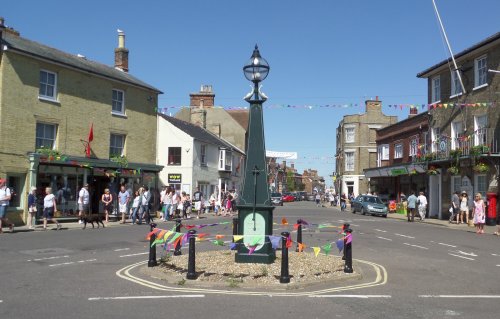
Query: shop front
column 66, row 176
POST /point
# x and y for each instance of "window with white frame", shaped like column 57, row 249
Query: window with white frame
column 48, row 85
column 456, row 87
column 225, row 160
column 457, row 130
column 436, row 89
column 425, row 143
column 349, row 161
column 45, row 135
column 116, row 144
column 480, row 71
column 435, row 131
column 118, row 102
column 481, row 185
column 398, row 150
column 350, row 134
column 413, row 146
column 382, row 153
column 480, row 127
column 203, row 155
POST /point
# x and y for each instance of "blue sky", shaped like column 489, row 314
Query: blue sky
column 320, row 52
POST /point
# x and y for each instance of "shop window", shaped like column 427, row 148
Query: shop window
column 174, row 155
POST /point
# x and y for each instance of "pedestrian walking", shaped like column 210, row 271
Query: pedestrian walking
column 123, row 200
column 229, row 205
column 318, row 200
column 146, row 204
column 422, row 205
column 455, row 207
column 412, row 207
column 49, row 207
column 479, row 213
column 107, row 200
column 31, row 208
column 135, row 208
column 464, row 208
column 176, row 199
column 5, row 196
column 198, row 201
column 343, row 200
column 167, row 203
column 83, row 201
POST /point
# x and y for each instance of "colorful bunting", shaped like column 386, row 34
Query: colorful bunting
column 237, row 238
column 316, row 251
column 284, row 221
column 340, row 244
column 327, row 248
column 251, row 249
column 275, row 241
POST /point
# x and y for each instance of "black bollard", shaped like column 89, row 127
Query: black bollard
column 152, row 226
column 344, row 227
column 235, row 227
column 178, row 225
column 191, row 274
column 348, row 254
column 285, row 276
column 299, row 234
column 152, row 252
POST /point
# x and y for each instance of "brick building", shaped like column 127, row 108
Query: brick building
column 399, row 148
column 464, row 125
column 357, row 148
column 312, row 181
column 49, row 99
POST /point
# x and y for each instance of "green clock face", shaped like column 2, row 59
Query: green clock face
column 254, row 232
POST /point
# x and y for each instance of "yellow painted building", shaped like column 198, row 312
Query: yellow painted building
column 50, row 99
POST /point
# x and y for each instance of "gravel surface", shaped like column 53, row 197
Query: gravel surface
column 218, row 267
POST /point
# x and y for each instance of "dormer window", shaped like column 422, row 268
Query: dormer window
column 225, row 160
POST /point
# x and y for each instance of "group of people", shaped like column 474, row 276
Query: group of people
column 414, row 204
column 460, row 208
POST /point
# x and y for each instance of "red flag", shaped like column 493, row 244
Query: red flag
column 91, row 133
column 90, row 138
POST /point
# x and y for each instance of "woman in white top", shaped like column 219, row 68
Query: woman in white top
column 135, row 207
column 49, row 207
column 464, row 208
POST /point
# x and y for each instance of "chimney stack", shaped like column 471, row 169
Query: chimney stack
column 373, row 106
column 121, row 53
column 413, row 111
column 202, row 99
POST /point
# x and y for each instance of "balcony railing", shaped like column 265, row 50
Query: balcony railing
column 482, row 142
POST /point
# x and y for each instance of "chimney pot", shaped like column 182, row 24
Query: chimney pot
column 121, row 53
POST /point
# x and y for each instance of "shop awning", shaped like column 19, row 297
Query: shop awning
column 395, row 170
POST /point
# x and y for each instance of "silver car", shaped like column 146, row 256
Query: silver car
column 368, row 204
column 276, row 199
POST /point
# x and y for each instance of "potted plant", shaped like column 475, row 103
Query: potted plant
column 453, row 170
column 121, row 160
column 456, row 153
column 481, row 168
column 478, row 150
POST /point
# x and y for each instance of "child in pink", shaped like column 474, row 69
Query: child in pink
column 479, row 214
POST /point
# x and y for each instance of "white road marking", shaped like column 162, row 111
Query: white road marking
column 498, row 265
column 145, row 297
column 416, row 246
column 48, row 258
column 354, row 225
column 495, row 255
column 460, row 256
column 72, row 262
column 464, row 253
column 384, row 238
column 405, row 236
column 1, row 301
column 447, row 245
column 134, row 254
column 462, row 296
column 122, row 249
column 351, row 296
column 380, row 230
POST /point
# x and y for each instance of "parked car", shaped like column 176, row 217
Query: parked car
column 276, row 199
column 311, row 197
column 296, row 196
column 288, row 197
column 303, row 195
column 368, row 204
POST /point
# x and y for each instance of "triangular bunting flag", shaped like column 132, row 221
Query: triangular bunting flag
column 340, row 244
column 237, row 238
column 316, row 251
column 284, row 221
column 327, row 248
column 301, row 247
column 251, row 249
column 275, row 241
column 288, row 242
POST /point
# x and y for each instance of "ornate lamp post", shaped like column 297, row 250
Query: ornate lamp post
column 255, row 212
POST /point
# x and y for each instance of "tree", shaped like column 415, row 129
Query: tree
column 290, row 181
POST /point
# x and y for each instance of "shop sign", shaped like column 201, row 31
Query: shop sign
column 398, row 171
column 174, row 178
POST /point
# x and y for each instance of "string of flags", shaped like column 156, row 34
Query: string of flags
column 423, row 106
column 171, row 238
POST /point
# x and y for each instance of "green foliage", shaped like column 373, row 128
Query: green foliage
column 47, row 152
column 121, row 160
column 478, row 150
column 481, row 168
column 453, row 170
column 290, row 181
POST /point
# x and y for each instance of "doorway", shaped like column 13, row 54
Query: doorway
column 434, row 196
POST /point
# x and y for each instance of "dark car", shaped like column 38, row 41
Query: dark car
column 297, row 196
column 368, row 204
column 303, row 195
column 276, row 199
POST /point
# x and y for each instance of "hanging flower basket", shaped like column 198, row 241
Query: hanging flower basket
column 48, row 152
column 481, row 168
column 413, row 172
column 456, row 153
column 120, row 160
column 432, row 171
column 453, row 170
column 478, row 150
